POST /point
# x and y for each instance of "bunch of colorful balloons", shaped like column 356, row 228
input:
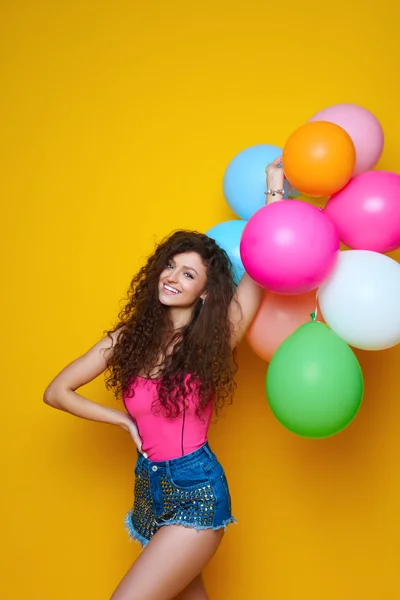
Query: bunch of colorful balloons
column 292, row 249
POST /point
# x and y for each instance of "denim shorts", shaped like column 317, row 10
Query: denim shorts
column 191, row 490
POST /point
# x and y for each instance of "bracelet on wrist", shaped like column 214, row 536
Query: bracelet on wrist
column 270, row 192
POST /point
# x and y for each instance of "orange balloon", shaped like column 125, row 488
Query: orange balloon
column 319, row 158
column 278, row 317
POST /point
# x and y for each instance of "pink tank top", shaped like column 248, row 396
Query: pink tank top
column 166, row 438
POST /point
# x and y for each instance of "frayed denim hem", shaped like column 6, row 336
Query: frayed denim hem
column 198, row 527
column 133, row 534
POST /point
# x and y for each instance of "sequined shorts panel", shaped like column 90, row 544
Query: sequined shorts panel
column 191, row 491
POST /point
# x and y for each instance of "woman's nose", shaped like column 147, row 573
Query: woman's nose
column 173, row 277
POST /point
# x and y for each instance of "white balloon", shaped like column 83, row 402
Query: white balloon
column 361, row 300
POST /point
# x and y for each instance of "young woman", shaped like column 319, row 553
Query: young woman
column 171, row 359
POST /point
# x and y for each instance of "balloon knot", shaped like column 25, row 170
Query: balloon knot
column 313, row 316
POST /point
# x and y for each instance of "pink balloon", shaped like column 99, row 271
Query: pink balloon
column 363, row 128
column 278, row 317
column 289, row 247
column 367, row 212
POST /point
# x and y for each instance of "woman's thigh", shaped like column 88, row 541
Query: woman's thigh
column 194, row 591
column 169, row 563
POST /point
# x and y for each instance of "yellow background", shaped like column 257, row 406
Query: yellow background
column 117, row 122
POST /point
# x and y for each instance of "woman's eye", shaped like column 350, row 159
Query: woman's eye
column 170, row 266
column 189, row 275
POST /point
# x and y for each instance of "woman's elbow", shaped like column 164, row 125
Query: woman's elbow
column 50, row 397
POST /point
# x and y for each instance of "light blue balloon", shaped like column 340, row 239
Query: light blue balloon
column 227, row 235
column 245, row 179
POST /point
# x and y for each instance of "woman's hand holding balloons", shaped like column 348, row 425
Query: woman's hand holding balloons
column 275, row 181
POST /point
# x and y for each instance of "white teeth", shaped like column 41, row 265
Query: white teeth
column 171, row 289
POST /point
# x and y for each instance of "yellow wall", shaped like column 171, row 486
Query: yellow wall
column 117, row 122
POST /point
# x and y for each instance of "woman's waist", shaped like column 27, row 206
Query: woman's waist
column 201, row 455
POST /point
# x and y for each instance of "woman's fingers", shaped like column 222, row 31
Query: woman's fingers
column 275, row 164
column 136, row 438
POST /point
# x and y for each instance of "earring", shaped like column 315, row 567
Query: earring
column 203, row 301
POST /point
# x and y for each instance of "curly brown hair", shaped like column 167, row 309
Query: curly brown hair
column 202, row 355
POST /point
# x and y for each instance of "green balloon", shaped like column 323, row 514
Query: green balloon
column 314, row 382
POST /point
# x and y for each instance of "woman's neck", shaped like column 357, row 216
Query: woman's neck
column 180, row 317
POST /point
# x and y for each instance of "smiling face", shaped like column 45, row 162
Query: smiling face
column 183, row 281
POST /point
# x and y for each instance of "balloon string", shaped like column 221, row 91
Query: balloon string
column 314, row 314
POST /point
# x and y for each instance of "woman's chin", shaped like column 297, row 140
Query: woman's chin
column 168, row 300
column 164, row 301
column 173, row 301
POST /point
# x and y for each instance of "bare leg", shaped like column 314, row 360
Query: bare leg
column 194, row 591
column 172, row 560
